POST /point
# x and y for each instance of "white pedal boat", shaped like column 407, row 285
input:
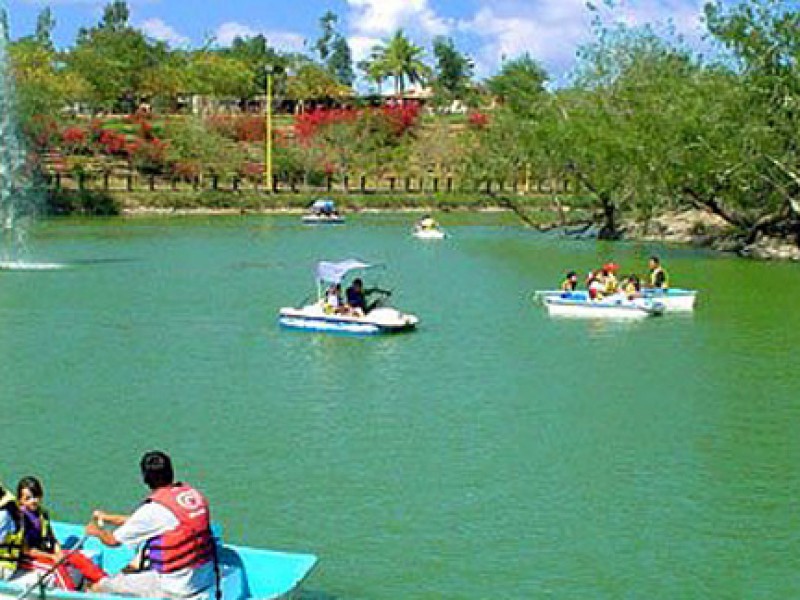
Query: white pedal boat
column 323, row 212
column 322, row 219
column 429, row 234
column 379, row 320
column 320, row 317
column 673, row 299
column 611, row 307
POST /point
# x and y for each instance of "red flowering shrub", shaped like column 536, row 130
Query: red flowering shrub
column 478, row 120
column 249, row 129
column 401, row 117
column 308, row 124
column 112, row 143
column 148, row 156
column 75, row 140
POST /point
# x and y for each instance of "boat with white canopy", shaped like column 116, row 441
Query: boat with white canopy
column 327, row 314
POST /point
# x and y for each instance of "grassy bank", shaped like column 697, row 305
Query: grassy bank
column 534, row 210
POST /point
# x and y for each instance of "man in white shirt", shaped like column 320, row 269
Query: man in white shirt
column 172, row 531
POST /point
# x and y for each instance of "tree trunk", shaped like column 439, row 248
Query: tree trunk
column 609, row 229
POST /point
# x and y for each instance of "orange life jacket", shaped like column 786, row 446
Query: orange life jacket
column 190, row 544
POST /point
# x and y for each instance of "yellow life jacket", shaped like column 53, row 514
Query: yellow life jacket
column 653, row 275
column 11, row 544
column 610, row 284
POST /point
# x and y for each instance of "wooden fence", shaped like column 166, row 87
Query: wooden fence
column 358, row 184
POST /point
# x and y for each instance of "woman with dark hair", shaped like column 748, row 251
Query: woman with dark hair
column 41, row 552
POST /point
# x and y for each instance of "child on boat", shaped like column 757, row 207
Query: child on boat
column 42, row 555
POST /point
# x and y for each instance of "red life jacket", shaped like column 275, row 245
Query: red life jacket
column 190, row 544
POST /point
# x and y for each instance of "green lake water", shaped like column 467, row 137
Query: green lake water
column 494, row 453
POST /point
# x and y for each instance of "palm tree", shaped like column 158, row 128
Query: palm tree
column 401, row 59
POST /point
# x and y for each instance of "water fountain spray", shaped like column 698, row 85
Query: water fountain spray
column 19, row 197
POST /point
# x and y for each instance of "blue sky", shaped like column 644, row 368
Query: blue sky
column 488, row 30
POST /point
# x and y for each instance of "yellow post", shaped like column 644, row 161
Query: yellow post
column 268, row 133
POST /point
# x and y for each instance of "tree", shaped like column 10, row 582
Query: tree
column 324, row 45
column 45, row 23
column 312, row 82
column 400, row 59
column 519, row 83
column 42, row 89
column 756, row 183
column 340, row 62
column 334, row 51
column 115, row 16
column 4, row 29
column 453, row 72
column 115, row 63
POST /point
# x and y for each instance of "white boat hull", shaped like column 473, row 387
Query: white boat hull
column 429, row 234
column 377, row 321
column 603, row 309
column 322, row 220
column 674, row 300
column 20, row 265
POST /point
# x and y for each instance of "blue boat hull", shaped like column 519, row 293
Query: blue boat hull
column 247, row 573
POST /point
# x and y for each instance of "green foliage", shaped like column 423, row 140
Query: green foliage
column 196, row 148
column 45, row 23
column 312, row 82
column 42, row 89
column 453, row 73
column 519, row 84
column 399, row 59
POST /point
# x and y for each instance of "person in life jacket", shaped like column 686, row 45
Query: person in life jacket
column 172, row 529
column 658, row 276
column 10, row 534
column 609, row 278
column 570, row 283
column 42, row 556
column 631, row 287
column 427, row 223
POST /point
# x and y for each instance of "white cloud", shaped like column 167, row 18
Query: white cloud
column 286, row 40
column 227, row 32
column 158, row 29
column 282, row 40
column 361, row 46
column 552, row 30
column 381, row 18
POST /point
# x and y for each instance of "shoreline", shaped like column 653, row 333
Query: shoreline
column 573, row 218
column 140, row 211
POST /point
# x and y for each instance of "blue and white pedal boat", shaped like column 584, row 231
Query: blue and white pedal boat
column 377, row 321
column 611, row 307
column 246, row 573
column 319, row 317
column 323, row 212
column 673, row 299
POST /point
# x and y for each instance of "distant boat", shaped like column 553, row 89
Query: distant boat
column 246, row 573
column 673, row 299
column 380, row 319
column 323, row 212
column 434, row 233
column 22, row 265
